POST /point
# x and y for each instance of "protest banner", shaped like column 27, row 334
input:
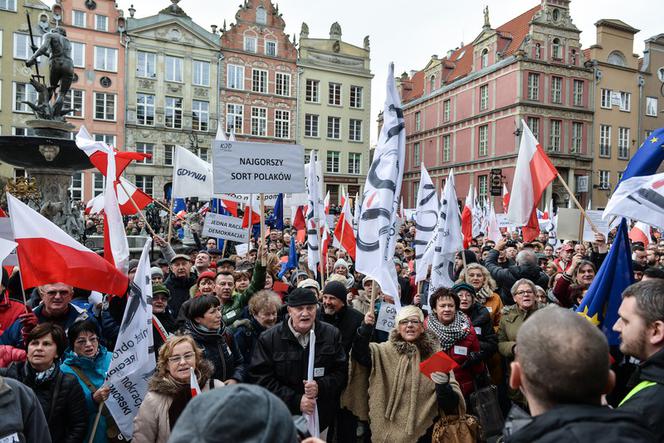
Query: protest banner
column 225, row 227
column 270, row 199
column 7, row 233
column 257, row 167
column 386, row 317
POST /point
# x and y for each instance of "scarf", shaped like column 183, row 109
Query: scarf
column 450, row 334
column 180, row 399
column 44, row 376
column 483, row 294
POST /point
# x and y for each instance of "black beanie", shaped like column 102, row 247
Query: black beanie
column 301, row 297
column 336, row 289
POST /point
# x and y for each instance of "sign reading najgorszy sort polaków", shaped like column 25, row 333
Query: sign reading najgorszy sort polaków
column 252, row 168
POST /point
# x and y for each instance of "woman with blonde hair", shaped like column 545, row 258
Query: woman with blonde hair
column 485, row 286
column 169, row 390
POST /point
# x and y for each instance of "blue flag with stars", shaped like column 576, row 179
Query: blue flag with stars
column 647, row 159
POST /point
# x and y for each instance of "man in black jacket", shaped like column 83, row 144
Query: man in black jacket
column 641, row 327
column 526, row 267
column 337, row 313
column 281, row 357
column 562, row 368
column 179, row 282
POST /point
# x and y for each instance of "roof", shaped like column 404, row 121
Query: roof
column 517, row 28
column 586, row 54
column 416, row 88
column 617, row 24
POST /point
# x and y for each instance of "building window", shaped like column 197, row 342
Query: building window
column 203, row 154
column 578, row 93
column 482, row 187
column 234, row 118
column 533, row 124
column 98, row 183
column 334, row 128
column 625, row 101
column 145, row 148
column 651, row 106
column 416, row 154
column 446, row 147
column 604, row 179
column 78, row 19
column 334, row 94
column 261, row 15
column 201, row 73
column 355, row 130
column 8, row 5
column 354, row 163
column 282, row 84
column 23, row 92
column 556, row 49
column 556, row 89
column 23, row 131
column 577, row 137
column 168, row 155
column 605, row 100
column 200, row 115
column 145, row 109
column 483, row 140
column 235, row 77
column 106, row 59
column 75, row 100
column 174, row 112
column 78, row 54
column 604, row 141
column 446, row 110
column 109, row 139
column 144, row 183
column 312, row 91
column 311, row 125
column 432, row 83
column 484, row 97
column 250, row 44
column 101, row 23
column 533, row 86
column 356, row 96
column 22, row 49
column 281, row 123
column 616, row 58
column 484, row 60
column 259, row 81
column 173, row 69
column 418, row 121
column 259, row 121
column 104, row 106
column 554, row 135
column 623, row 143
column 271, row 48
column 76, row 188
column 146, row 64
column 333, row 161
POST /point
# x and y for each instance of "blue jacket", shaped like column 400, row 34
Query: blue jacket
column 12, row 336
column 95, row 369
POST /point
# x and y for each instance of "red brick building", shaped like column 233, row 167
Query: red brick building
column 259, row 75
column 463, row 111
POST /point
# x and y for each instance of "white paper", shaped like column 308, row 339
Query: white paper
column 386, row 317
column 241, row 249
column 601, row 224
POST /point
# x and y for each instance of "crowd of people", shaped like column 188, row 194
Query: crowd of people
column 245, row 325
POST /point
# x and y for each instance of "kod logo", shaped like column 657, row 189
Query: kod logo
column 226, row 147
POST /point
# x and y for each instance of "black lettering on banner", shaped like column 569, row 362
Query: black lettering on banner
column 193, row 174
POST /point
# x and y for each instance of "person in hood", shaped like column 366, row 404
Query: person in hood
column 563, row 383
column 641, row 327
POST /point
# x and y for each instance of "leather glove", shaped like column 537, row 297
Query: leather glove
column 28, row 321
column 440, row 378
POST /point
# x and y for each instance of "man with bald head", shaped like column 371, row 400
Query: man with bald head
column 562, row 368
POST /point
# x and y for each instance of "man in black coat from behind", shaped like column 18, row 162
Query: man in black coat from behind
column 562, row 368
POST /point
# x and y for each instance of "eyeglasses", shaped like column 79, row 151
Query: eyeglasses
column 61, row 292
column 409, row 322
column 189, row 356
column 524, row 292
column 82, row 341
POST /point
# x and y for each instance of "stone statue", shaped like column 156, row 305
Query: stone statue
column 57, row 47
column 335, row 31
column 367, row 46
column 486, row 17
column 304, row 31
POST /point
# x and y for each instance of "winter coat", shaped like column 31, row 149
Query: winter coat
column 581, row 424
column 505, row 278
column 61, row 399
column 481, row 319
column 152, row 423
column 647, row 403
column 95, row 371
column 232, row 311
column 9, row 354
column 179, row 289
column 9, row 312
column 220, row 349
column 494, row 305
column 20, row 413
column 246, row 336
column 279, row 363
column 361, row 302
column 347, row 320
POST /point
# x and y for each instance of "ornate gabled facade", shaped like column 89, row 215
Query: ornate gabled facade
column 259, row 75
column 172, row 93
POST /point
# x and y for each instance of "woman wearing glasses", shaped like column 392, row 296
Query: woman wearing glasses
column 169, row 390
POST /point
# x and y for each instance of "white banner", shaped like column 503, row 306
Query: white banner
column 7, row 233
column 133, row 358
column 192, row 177
column 270, row 199
column 224, row 226
column 257, row 167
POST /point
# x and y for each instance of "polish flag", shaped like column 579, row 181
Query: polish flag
column 204, row 209
column 46, row 254
column 230, row 206
column 252, row 213
column 534, row 171
column 506, row 198
column 467, row 218
column 97, row 151
column 343, row 231
column 640, row 233
column 116, row 248
column 325, row 230
column 124, row 191
column 193, row 383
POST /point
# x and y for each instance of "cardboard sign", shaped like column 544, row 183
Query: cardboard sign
column 569, row 224
column 224, row 226
column 7, row 233
column 386, row 317
column 252, row 168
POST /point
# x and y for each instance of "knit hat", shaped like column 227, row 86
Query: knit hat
column 336, row 289
column 132, row 265
column 296, row 275
column 408, row 311
column 158, row 288
column 224, row 412
column 463, row 287
column 155, row 270
column 206, row 274
column 309, row 283
column 301, row 297
column 339, row 263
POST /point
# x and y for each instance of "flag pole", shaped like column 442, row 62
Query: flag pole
column 96, row 423
column 578, row 205
column 262, row 203
column 374, row 293
column 20, row 271
column 140, row 213
column 249, row 225
column 170, row 219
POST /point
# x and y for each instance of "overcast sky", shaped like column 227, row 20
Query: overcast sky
column 409, row 32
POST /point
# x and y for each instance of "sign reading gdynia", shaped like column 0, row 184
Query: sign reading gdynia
column 252, row 168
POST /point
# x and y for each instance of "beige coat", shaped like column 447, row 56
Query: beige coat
column 151, row 424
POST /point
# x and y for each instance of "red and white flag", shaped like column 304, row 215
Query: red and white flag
column 505, row 198
column 46, row 254
column 193, row 382
column 640, row 233
column 252, row 213
column 97, row 151
column 534, row 171
column 116, row 248
column 467, row 218
column 343, row 231
column 124, row 191
column 325, row 229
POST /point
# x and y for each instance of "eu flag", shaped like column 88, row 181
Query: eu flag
column 647, row 159
column 276, row 220
column 601, row 302
column 292, row 259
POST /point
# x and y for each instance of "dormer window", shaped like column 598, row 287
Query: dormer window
column 484, row 58
column 261, row 15
column 556, row 49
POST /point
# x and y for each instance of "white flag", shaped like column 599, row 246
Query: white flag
column 426, row 221
column 639, row 198
column 117, row 237
column 478, row 215
column 315, row 213
column 493, row 230
column 221, row 134
column 448, row 239
column 133, row 358
column 377, row 228
column 192, row 177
